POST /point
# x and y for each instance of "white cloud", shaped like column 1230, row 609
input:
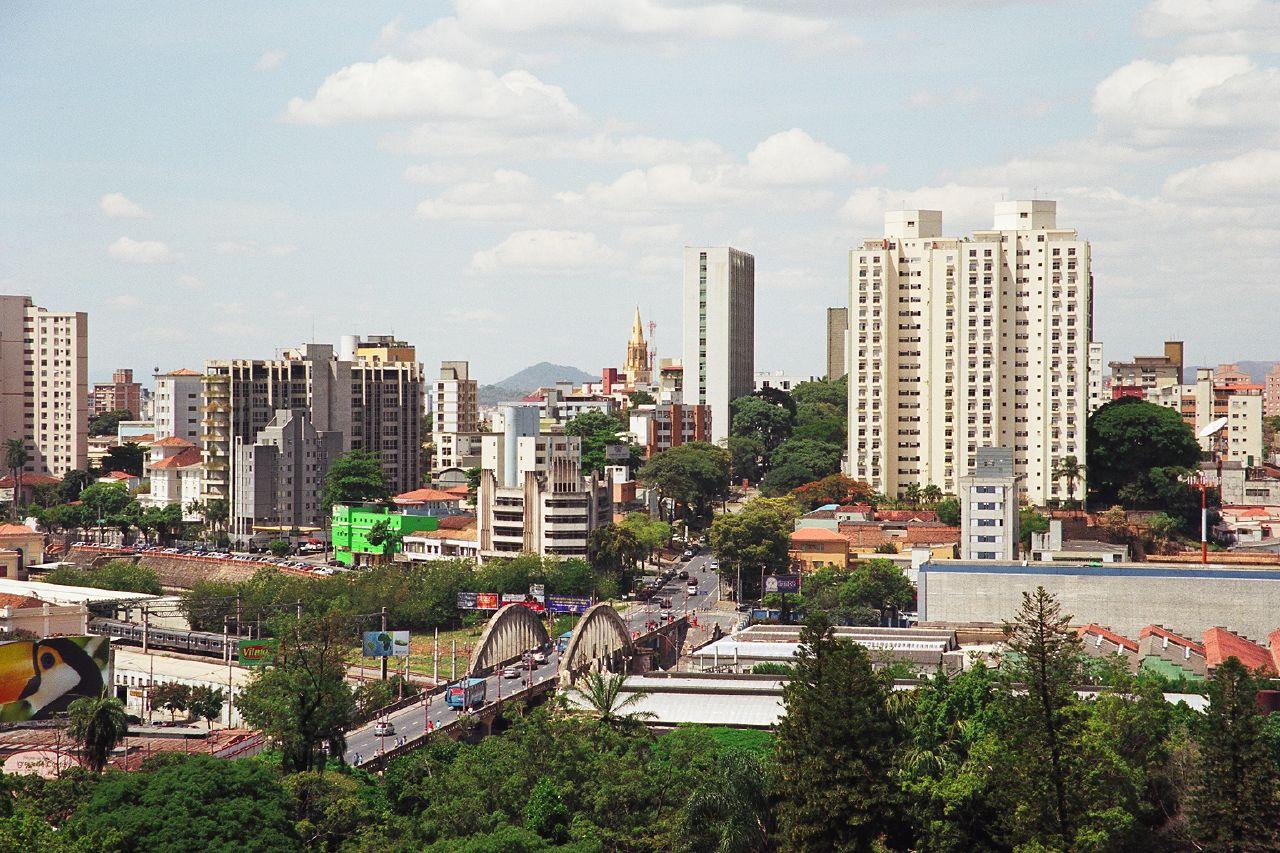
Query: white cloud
column 543, row 251
column 141, row 251
column 438, row 173
column 793, row 157
column 452, row 140
column 432, row 88
column 1158, row 103
column 1253, row 176
column 191, row 282
column 1214, row 26
column 506, row 195
column 117, row 206
column 964, row 207
column 662, row 187
column 270, row 61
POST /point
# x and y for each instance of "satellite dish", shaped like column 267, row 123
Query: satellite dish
column 1211, row 428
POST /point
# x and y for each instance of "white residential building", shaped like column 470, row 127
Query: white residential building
column 1244, row 429
column 176, row 402
column 176, row 474
column 1099, row 385
column 518, row 446
column 455, row 423
column 719, row 330
column 551, row 512
column 989, row 507
column 961, row 343
column 44, row 387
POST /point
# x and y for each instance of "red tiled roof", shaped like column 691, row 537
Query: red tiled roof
column 1176, row 639
column 16, row 530
column 424, row 496
column 461, row 491
column 816, row 534
column 10, row 599
column 1118, row 639
column 185, row 459
column 1220, row 644
column 457, row 522
column 1273, row 639
column 182, row 371
column 906, row 515
column 864, row 537
column 29, row 479
column 121, row 475
column 173, row 441
column 933, row 535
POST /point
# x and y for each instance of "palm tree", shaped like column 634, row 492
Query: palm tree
column 931, row 494
column 912, row 494
column 602, row 696
column 726, row 807
column 1069, row 469
column 97, row 724
column 15, row 458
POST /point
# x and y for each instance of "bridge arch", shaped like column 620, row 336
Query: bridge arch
column 600, row 637
column 512, row 631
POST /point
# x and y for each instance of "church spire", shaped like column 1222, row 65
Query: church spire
column 637, row 329
column 636, row 366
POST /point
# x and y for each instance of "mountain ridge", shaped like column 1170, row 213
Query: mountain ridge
column 523, row 382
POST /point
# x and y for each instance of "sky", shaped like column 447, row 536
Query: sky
column 503, row 181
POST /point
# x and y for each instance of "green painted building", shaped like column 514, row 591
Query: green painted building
column 351, row 526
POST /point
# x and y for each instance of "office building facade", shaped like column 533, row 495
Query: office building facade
column 961, row 343
column 837, row 343
column 719, row 330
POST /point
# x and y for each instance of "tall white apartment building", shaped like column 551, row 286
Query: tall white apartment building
column 1099, row 384
column 961, row 343
column 719, row 330
column 44, row 390
column 455, row 423
column 176, row 402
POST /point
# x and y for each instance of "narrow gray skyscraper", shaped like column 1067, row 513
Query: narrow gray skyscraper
column 719, row 329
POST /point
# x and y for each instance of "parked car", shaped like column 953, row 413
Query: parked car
column 384, row 728
column 689, row 554
column 539, row 657
column 683, row 575
column 511, row 672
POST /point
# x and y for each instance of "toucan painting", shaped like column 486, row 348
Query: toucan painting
column 39, row 678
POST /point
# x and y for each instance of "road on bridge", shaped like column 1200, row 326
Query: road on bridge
column 704, row 603
column 412, row 721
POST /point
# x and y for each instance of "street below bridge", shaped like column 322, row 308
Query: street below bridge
column 705, row 603
column 411, row 722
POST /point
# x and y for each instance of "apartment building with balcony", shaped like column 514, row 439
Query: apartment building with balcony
column 44, row 397
column 1150, row 372
column 962, row 343
column 120, row 394
column 176, row 405
column 989, row 503
column 370, row 393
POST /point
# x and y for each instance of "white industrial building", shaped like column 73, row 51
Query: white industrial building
column 961, row 343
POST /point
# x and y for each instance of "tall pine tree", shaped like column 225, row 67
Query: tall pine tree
column 1043, row 667
column 1234, row 804
column 836, row 750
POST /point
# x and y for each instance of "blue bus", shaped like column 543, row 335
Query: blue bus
column 562, row 642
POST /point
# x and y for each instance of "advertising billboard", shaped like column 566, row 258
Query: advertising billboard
column 386, row 644
column 256, row 652
column 39, row 678
column 487, row 601
column 466, row 601
column 782, row 583
column 520, row 598
column 568, row 603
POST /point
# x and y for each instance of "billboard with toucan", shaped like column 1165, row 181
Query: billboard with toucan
column 40, row 678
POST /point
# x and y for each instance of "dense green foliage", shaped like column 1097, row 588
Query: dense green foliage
column 692, row 476
column 832, row 489
column 122, row 575
column 754, row 542
column 597, row 431
column 1137, row 451
column 356, row 477
column 107, row 423
column 418, row 596
column 786, row 440
column 862, row 595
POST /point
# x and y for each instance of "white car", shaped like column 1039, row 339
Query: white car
column 511, row 672
column 384, row 728
column 714, row 565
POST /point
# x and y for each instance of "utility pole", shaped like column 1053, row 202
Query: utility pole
column 146, row 627
column 384, row 630
column 435, row 652
column 237, row 614
column 453, row 662
column 299, row 609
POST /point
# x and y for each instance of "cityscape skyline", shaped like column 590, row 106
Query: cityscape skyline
column 580, row 188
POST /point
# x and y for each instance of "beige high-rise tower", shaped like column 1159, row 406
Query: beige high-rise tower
column 961, row 343
column 636, row 366
column 44, row 391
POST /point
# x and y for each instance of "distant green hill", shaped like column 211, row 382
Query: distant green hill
column 539, row 375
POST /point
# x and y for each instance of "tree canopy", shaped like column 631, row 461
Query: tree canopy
column 1133, row 446
column 108, row 423
column 754, row 540
column 692, row 476
column 356, row 477
column 598, row 430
